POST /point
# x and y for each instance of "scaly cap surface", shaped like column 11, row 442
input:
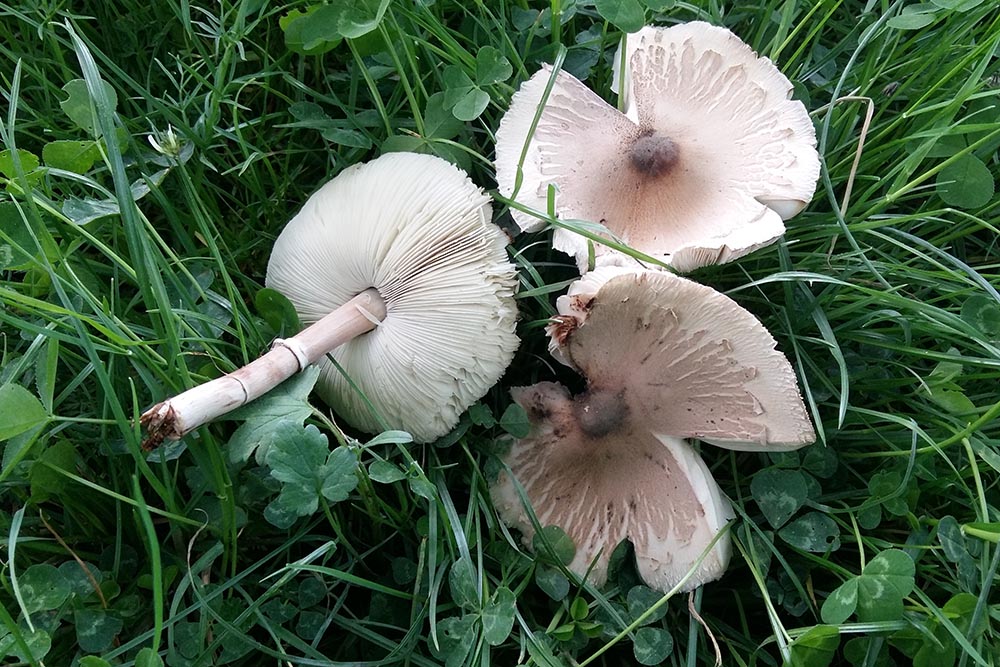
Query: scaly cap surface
column 711, row 156
column 415, row 228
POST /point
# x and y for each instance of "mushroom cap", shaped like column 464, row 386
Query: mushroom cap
column 709, row 159
column 692, row 363
column 629, row 483
column 665, row 358
column 574, row 306
column 708, row 38
column 415, row 228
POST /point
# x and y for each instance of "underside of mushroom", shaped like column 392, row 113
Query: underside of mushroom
column 696, row 363
column 417, row 230
column 408, row 297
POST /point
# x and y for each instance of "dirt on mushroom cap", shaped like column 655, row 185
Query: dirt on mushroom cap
column 741, row 154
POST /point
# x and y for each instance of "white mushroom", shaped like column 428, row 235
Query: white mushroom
column 402, row 248
column 665, row 359
column 709, row 158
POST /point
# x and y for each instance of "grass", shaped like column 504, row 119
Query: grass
column 127, row 274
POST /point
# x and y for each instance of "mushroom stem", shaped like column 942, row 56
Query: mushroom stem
column 178, row 416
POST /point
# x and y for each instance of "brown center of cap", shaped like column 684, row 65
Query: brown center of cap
column 598, row 412
column 653, row 155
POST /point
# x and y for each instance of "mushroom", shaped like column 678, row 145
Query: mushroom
column 665, row 359
column 403, row 280
column 710, row 156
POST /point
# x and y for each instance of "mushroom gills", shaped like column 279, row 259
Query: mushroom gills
column 707, row 160
column 627, row 483
column 665, row 359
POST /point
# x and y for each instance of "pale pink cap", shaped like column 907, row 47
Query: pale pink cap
column 710, row 158
column 665, row 359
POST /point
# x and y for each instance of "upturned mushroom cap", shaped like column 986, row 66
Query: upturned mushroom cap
column 416, row 229
column 665, row 358
column 604, row 487
column 710, row 158
column 692, row 362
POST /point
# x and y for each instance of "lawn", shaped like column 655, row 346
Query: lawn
column 151, row 154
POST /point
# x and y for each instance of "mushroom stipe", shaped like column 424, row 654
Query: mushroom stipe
column 176, row 417
column 599, row 412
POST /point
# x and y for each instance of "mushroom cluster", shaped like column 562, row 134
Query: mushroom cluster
column 409, row 297
column 707, row 159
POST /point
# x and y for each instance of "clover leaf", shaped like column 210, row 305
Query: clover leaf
column 22, row 411
column 78, row 104
column 277, row 414
column 498, row 616
column 779, row 494
column 308, row 471
column 876, row 594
